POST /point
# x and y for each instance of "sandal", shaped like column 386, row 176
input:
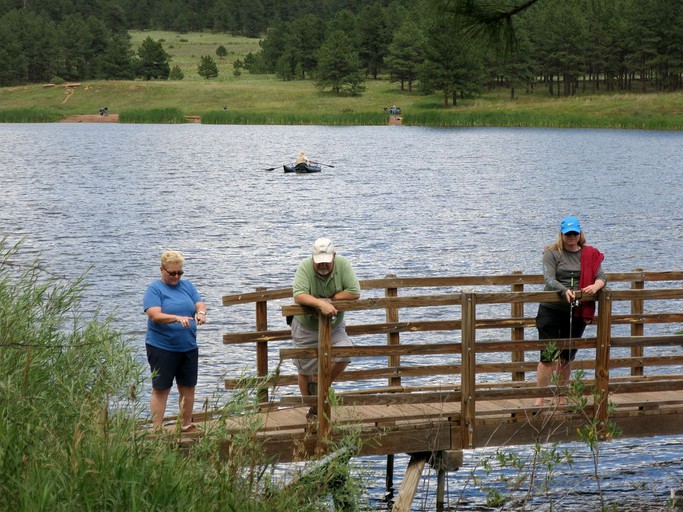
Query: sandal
column 190, row 428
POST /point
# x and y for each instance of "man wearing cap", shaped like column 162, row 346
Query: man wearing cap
column 320, row 279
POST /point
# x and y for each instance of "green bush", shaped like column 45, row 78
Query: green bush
column 176, row 73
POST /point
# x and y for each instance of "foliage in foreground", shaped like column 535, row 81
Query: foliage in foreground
column 68, row 435
column 519, row 481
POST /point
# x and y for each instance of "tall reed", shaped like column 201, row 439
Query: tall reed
column 542, row 120
column 153, row 116
column 29, row 115
column 286, row 118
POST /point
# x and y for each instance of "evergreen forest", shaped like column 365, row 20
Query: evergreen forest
column 457, row 48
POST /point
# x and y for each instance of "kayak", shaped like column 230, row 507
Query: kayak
column 302, row 168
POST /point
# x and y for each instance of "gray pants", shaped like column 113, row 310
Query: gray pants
column 308, row 338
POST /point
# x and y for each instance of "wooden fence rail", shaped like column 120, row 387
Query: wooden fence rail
column 465, row 369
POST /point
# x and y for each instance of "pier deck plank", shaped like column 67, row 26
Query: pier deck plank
column 415, row 427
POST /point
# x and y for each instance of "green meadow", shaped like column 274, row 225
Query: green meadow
column 265, row 99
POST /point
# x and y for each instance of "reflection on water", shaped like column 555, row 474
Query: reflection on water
column 405, row 201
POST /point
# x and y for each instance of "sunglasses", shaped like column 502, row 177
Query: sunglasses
column 571, row 233
column 177, row 273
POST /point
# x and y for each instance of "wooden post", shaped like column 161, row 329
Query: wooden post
column 262, row 346
column 440, row 489
column 602, row 355
column 393, row 337
column 389, row 480
column 324, row 378
column 406, row 493
column 637, row 328
column 393, row 361
column 517, row 333
column 468, row 372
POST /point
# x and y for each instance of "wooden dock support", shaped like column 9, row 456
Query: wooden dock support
column 444, row 461
column 406, row 493
column 389, row 481
column 393, row 361
column 441, row 461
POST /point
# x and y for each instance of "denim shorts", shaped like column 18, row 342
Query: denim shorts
column 167, row 365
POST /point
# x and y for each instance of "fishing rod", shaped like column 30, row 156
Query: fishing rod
column 572, row 304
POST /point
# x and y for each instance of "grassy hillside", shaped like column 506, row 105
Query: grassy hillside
column 186, row 50
column 259, row 95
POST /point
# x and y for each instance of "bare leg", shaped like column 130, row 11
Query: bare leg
column 186, row 404
column 335, row 371
column 544, row 372
column 158, row 405
column 303, row 381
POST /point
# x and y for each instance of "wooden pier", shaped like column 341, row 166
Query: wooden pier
column 449, row 363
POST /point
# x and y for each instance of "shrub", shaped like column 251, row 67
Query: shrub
column 176, row 73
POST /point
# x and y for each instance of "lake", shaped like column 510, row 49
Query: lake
column 397, row 200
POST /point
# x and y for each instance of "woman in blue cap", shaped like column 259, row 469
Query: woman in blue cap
column 568, row 265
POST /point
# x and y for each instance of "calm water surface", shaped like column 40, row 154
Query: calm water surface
column 400, row 200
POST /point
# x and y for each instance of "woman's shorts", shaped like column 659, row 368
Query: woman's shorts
column 167, row 365
column 308, row 338
column 554, row 324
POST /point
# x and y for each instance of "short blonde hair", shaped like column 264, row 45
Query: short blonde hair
column 172, row 257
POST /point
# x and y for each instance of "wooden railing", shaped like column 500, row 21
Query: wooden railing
column 467, row 355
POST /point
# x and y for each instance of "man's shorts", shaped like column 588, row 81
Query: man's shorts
column 308, row 338
column 167, row 365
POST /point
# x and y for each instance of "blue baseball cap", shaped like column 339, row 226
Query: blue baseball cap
column 570, row 224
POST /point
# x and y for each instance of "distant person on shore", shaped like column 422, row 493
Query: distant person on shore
column 568, row 265
column 174, row 310
column 320, row 279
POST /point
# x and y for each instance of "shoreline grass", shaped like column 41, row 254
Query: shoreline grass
column 29, row 115
column 153, row 116
column 265, row 99
column 535, row 120
column 285, row 118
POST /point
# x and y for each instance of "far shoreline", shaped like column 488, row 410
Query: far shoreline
column 91, row 118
